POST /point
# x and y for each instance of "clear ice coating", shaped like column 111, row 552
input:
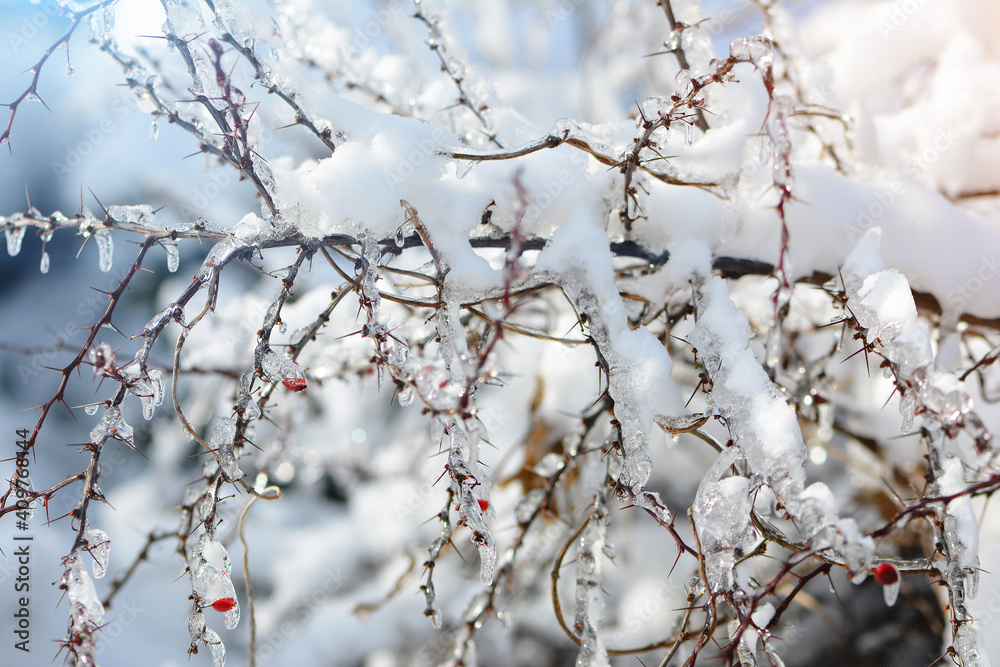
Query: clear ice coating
column 196, row 626
column 222, row 443
column 481, row 537
column 83, row 599
column 283, row 370
column 112, row 425
column 14, row 237
column 210, row 569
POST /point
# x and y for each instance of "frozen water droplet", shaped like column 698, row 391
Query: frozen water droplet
column 740, row 49
column 154, row 129
column 99, row 546
column 105, row 247
column 405, row 396
column 14, row 237
column 69, row 68
column 399, row 238
column 282, row 328
column 173, row 257
column 44, row 265
column 91, row 409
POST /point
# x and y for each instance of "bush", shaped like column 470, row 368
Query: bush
column 458, row 379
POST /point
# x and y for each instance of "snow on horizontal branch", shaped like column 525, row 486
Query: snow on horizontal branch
column 765, row 429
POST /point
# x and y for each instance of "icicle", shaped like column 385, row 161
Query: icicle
column 14, row 237
column 154, row 129
column 589, row 597
column 100, row 548
column 82, row 594
column 44, row 265
column 173, row 257
column 105, row 247
column 887, row 575
column 216, row 646
column 473, row 515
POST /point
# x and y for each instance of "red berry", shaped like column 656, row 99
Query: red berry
column 886, row 574
column 294, row 384
column 224, row 604
column 483, row 505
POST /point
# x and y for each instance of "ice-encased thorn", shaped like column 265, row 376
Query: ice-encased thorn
column 173, row 257
column 99, row 546
column 14, row 237
column 105, row 249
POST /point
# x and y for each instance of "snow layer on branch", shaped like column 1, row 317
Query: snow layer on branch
column 637, row 364
column 765, row 428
